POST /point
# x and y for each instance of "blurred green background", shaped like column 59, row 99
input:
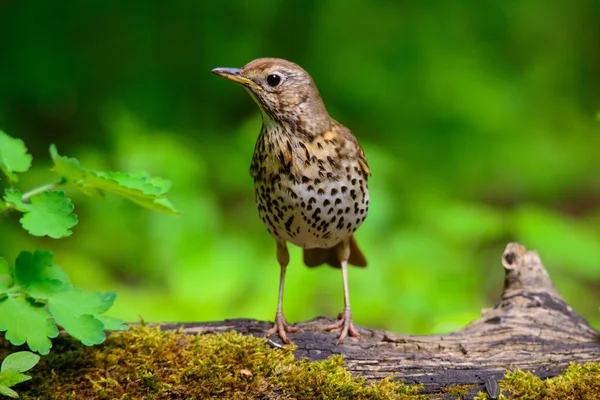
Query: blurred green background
column 478, row 120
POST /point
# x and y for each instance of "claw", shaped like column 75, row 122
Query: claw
column 281, row 327
column 345, row 324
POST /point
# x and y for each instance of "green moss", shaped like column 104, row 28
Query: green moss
column 145, row 363
column 457, row 391
column 578, row 382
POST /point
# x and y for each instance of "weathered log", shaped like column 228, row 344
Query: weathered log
column 531, row 328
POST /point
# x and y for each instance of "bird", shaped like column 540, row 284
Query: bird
column 310, row 177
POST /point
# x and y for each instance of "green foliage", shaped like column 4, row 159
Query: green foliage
column 13, row 156
column 39, row 296
column 80, row 313
column 475, row 133
column 36, row 295
column 140, row 188
column 26, row 322
column 11, row 372
column 46, row 214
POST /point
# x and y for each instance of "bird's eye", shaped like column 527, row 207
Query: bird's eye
column 273, row 80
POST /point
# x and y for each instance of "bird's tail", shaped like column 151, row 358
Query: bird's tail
column 316, row 257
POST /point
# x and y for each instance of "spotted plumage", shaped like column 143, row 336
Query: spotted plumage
column 309, row 203
column 310, row 175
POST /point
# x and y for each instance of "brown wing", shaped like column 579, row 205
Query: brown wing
column 362, row 160
column 360, row 154
column 321, row 153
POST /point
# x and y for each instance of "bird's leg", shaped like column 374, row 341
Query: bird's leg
column 345, row 322
column 281, row 326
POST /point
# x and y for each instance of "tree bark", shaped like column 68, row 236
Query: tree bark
column 531, row 328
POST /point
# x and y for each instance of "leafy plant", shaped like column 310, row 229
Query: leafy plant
column 11, row 372
column 48, row 212
column 36, row 294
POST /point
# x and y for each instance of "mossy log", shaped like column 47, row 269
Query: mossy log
column 531, row 328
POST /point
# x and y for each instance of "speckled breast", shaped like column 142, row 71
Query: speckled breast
column 314, row 213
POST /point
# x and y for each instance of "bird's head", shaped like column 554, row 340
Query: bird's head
column 283, row 90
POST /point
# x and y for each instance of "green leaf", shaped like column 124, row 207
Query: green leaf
column 79, row 313
column 8, row 392
column 38, row 274
column 112, row 324
column 25, row 321
column 139, row 188
column 49, row 214
column 66, row 167
column 160, row 204
column 12, row 378
column 6, row 279
column 140, row 180
column 20, row 361
column 13, row 156
column 15, row 199
column 85, row 327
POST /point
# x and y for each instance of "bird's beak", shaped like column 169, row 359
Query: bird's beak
column 233, row 74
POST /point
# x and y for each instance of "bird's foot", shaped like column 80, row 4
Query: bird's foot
column 281, row 327
column 345, row 324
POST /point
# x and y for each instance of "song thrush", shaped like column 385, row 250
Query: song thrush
column 310, row 176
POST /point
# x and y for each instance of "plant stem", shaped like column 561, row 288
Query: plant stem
column 38, row 190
